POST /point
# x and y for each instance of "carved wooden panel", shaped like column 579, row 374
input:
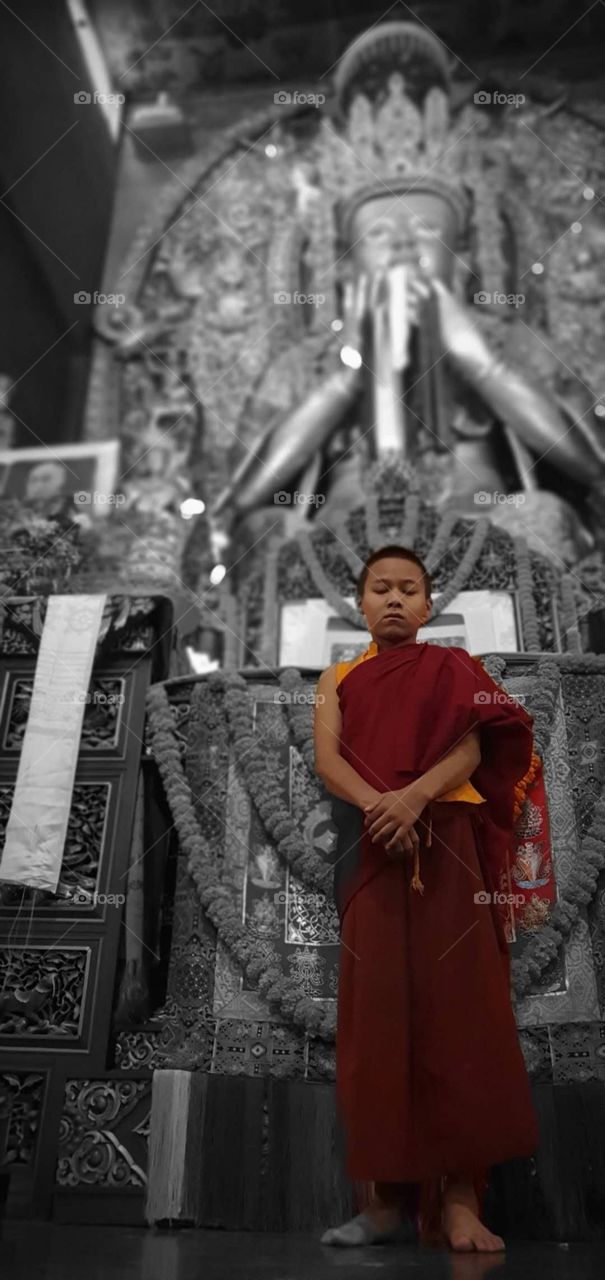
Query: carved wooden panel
column 102, row 725
column 21, row 1099
column 65, row 1125
column 44, row 990
column 104, row 1131
column 79, row 884
column 107, row 711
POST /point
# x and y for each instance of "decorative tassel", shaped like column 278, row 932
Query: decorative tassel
column 416, row 881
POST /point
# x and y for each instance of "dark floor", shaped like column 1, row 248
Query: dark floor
column 45, row 1251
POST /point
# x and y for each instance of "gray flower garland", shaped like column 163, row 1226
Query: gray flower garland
column 441, row 540
column 267, row 788
column 465, row 568
column 326, row 588
column 323, row 584
column 281, row 992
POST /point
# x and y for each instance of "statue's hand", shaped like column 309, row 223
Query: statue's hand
column 460, row 333
column 355, row 307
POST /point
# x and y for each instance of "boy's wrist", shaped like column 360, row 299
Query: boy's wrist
column 423, row 788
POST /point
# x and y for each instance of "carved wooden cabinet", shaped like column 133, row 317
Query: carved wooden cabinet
column 69, row 1123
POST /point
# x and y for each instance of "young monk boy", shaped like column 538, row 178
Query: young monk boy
column 422, row 752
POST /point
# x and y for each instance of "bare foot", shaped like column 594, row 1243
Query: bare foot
column 461, row 1223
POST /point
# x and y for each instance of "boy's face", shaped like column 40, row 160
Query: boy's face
column 394, row 601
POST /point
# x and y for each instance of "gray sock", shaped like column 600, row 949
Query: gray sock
column 359, row 1231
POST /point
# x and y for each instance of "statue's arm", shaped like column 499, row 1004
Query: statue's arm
column 525, row 406
column 539, row 421
column 281, row 453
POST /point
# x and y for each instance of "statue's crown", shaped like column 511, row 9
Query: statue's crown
column 392, row 93
column 396, row 132
column 390, row 47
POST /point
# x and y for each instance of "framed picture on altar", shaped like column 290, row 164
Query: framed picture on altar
column 75, row 480
column 311, row 634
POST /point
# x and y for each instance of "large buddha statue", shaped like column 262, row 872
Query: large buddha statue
column 427, row 325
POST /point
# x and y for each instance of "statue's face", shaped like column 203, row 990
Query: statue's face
column 393, row 229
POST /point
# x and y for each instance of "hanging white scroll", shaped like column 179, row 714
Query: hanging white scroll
column 37, row 826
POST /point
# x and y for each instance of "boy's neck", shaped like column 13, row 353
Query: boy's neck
column 394, row 644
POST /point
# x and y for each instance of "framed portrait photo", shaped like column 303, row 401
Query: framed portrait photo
column 75, row 480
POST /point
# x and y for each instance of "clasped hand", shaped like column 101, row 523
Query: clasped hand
column 390, row 819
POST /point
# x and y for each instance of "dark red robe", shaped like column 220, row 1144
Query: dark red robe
column 430, row 1074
